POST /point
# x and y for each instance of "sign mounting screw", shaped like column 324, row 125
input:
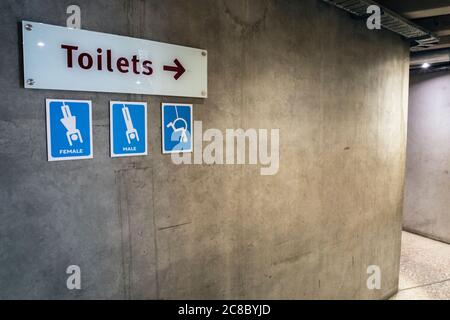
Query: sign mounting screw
column 28, row 27
column 204, row 53
column 30, row 82
column 203, row 93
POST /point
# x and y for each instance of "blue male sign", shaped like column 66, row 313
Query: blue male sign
column 69, row 129
column 128, row 128
column 176, row 127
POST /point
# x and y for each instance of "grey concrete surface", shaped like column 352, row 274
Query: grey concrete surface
column 424, row 269
column 145, row 228
column 427, row 185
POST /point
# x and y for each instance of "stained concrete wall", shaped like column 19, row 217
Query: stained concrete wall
column 146, row 228
column 427, row 186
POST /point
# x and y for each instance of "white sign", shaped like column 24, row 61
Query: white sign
column 72, row 59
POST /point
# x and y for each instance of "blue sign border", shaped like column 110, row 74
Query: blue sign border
column 111, row 129
column 50, row 157
column 163, row 105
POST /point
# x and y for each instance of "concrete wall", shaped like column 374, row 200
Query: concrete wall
column 146, row 228
column 427, row 186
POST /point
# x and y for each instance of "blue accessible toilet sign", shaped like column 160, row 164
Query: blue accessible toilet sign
column 69, row 129
column 128, row 128
column 176, row 127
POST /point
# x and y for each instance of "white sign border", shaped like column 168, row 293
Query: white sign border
column 49, row 140
column 190, row 105
column 111, row 126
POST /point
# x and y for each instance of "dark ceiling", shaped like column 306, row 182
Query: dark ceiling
column 433, row 15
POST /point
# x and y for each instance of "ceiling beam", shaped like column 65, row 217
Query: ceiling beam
column 415, row 9
column 426, row 13
column 443, row 44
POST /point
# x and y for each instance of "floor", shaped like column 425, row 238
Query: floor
column 424, row 269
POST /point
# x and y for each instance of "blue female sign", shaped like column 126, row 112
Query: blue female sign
column 69, row 129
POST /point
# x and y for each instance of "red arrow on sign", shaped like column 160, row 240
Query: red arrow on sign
column 179, row 69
